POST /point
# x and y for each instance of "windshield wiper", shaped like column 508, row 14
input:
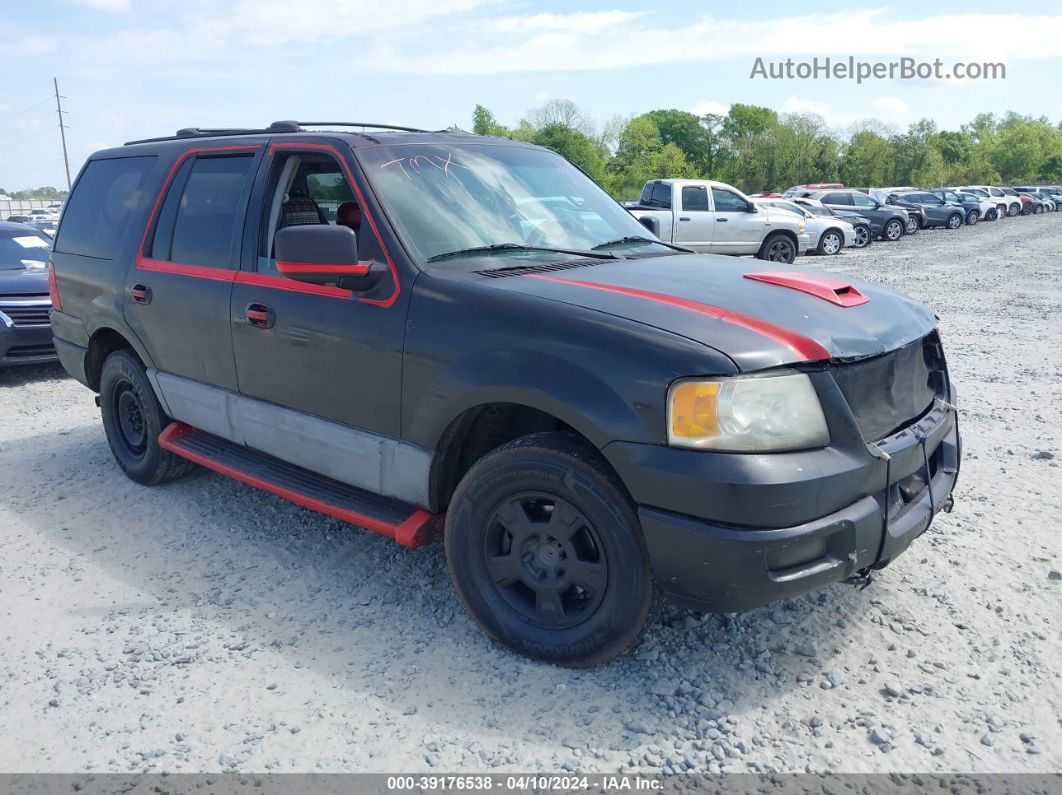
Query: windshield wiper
column 620, row 241
column 496, row 247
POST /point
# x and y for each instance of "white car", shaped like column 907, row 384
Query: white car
column 826, row 234
column 1008, row 203
column 987, row 209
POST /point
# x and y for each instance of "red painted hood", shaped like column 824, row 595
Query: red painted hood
column 758, row 324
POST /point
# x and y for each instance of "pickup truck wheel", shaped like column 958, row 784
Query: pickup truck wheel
column 893, row 230
column 831, row 242
column 133, row 419
column 862, row 236
column 546, row 552
column 777, row 248
column 954, row 221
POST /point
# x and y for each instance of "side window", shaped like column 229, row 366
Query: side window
column 197, row 223
column 837, row 198
column 727, row 202
column 694, row 198
column 304, row 188
column 859, row 200
column 104, row 200
column 661, row 195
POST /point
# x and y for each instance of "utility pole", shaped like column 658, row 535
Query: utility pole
column 62, row 131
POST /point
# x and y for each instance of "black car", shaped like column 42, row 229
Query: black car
column 935, row 210
column 25, row 333
column 483, row 345
column 888, row 223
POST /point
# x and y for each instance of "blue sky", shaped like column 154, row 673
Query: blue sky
column 137, row 68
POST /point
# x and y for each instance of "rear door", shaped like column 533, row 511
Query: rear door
column 870, row 208
column 695, row 220
column 177, row 295
column 737, row 231
column 936, row 210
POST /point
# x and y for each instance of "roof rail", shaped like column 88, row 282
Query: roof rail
column 285, row 126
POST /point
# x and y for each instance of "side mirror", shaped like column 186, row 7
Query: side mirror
column 321, row 254
column 751, row 208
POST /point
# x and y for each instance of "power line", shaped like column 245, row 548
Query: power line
column 17, row 111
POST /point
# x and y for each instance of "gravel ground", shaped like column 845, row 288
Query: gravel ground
column 207, row 626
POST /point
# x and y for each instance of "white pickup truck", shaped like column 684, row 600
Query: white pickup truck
column 713, row 217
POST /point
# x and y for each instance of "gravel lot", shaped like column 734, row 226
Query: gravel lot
column 207, row 626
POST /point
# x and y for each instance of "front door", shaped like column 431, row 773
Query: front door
column 737, row 230
column 323, row 351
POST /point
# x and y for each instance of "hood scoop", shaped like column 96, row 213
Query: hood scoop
column 828, row 288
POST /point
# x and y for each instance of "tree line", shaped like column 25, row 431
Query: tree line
column 46, row 193
column 758, row 149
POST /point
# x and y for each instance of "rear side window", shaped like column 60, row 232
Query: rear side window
column 199, row 227
column 859, row 200
column 105, row 198
column 694, row 197
column 661, row 196
column 836, row 198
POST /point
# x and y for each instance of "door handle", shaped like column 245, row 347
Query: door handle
column 259, row 315
column 140, row 293
column 684, row 218
column 721, row 220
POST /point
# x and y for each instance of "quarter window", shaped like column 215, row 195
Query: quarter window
column 106, row 196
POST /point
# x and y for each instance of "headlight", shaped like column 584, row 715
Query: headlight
column 746, row 414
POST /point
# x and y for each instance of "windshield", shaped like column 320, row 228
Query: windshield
column 452, row 198
column 19, row 250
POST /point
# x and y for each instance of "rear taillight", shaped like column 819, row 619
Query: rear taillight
column 53, row 289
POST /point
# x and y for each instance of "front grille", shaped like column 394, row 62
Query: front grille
column 889, row 392
column 30, row 351
column 26, row 315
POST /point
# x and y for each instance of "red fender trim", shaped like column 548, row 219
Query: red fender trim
column 829, row 288
column 418, row 529
column 805, row 347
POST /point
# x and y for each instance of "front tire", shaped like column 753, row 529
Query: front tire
column 1013, row 210
column 954, row 221
column 831, row 242
column 893, row 230
column 1038, row 209
column 778, row 248
column 973, row 217
column 992, row 214
column 133, row 419
column 546, row 552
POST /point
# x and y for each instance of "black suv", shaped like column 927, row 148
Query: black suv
column 887, row 223
column 434, row 333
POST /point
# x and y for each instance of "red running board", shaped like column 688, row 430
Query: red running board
column 418, row 529
column 836, row 291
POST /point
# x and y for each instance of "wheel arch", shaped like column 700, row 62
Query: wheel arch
column 103, row 342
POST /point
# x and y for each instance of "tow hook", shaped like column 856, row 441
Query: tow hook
column 860, row 580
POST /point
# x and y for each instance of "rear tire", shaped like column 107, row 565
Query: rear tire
column 546, row 551
column 778, row 248
column 133, row 419
column 912, row 226
column 1013, row 210
column 992, row 214
column 863, row 236
column 1038, row 209
column 973, row 217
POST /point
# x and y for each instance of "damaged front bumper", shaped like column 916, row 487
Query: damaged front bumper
column 899, row 484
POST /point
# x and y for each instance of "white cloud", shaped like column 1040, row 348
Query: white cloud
column 105, row 5
column 891, row 104
column 555, row 42
column 580, row 21
column 708, row 106
column 802, row 105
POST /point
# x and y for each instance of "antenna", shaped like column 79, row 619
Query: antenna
column 62, row 131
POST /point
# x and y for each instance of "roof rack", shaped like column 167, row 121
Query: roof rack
column 286, row 126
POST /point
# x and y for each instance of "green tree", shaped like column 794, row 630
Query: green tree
column 641, row 155
column 484, row 123
column 573, row 145
column 685, row 131
column 865, row 159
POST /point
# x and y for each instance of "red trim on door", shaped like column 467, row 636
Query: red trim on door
column 829, row 288
column 807, row 348
column 284, row 283
column 199, row 271
column 366, row 215
column 413, row 531
column 313, row 267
